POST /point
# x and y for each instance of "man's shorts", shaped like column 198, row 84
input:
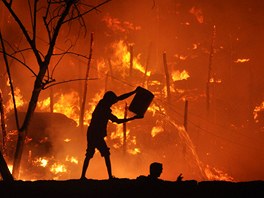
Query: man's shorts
column 97, row 144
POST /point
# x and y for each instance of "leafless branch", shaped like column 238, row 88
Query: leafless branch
column 21, row 62
column 84, row 13
column 34, row 21
column 23, row 28
column 67, row 81
column 61, row 57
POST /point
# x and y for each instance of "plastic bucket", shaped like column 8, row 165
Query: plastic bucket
column 141, row 101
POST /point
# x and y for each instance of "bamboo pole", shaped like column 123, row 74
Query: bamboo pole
column 166, row 75
column 145, row 81
column 125, row 129
column 208, row 98
column 131, row 50
column 86, row 82
column 110, row 67
column 109, row 75
column 106, row 81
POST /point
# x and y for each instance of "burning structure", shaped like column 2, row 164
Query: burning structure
column 202, row 61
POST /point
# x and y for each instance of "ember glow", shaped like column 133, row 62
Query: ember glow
column 213, row 62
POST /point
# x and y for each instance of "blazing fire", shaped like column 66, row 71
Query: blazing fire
column 19, row 101
column 122, row 56
column 68, row 104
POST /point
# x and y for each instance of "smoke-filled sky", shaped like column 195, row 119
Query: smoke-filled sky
column 202, row 37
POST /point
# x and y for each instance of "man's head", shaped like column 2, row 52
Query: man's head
column 110, row 97
column 155, row 169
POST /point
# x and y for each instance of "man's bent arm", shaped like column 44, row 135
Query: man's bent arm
column 123, row 120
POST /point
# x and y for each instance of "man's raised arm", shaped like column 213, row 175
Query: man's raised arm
column 126, row 95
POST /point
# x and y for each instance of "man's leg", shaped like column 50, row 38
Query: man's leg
column 108, row 166
column 85, row 166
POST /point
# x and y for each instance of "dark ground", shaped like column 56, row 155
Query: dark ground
column 130, row 188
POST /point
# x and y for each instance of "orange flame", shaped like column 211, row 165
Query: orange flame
column 41, row 162
column 67, row 104
column 257, row 110
column 58, row 168
column 242, row 60
column 197, row 13
column 18, row 98
column 122, row 57
column 213, row 80
column 216, row 174
column 119, row 26
column 177, row 75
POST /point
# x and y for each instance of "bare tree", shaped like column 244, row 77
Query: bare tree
column 50, row 17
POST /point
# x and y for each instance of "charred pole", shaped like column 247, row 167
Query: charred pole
column 125, row 129
column 106, row 80
column 167, row 76
column 86, row 81
column 109, row 75
column 110, row 67
column 208, row 99
column 131, row 49
column 147, row 65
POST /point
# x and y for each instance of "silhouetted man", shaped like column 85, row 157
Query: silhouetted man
column 97, row 129
column 155, row 170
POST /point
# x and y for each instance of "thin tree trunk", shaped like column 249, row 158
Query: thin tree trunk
column 22, row 132
column 42, row 63
column 38, row 85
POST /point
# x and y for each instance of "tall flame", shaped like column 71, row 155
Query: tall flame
column 122, row 57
